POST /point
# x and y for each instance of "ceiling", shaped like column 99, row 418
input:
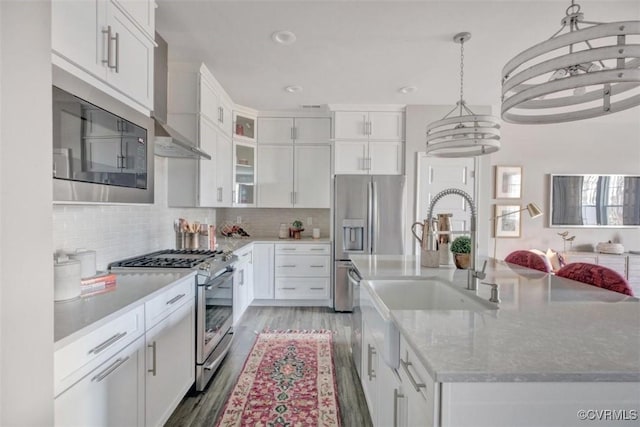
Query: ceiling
column 351, row 52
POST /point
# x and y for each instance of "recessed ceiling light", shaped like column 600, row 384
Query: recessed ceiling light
column 407, row 89
column 293, row 89
column 283, row 37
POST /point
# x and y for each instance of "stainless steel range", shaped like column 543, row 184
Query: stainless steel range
column 214, row 303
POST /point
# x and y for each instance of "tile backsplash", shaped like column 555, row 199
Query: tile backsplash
column 120, row 231
column 265, row 222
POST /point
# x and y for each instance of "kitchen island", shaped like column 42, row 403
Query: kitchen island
column 551, row 348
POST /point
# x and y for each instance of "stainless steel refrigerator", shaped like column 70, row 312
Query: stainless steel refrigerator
column 368, row 219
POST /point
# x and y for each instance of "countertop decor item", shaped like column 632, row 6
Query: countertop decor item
column 561, row 79
column 610, row 248
column 466, row 134
column 296, row 229
column 288, row 377
column 66, row 278
column 566, row 238
column 461, row 248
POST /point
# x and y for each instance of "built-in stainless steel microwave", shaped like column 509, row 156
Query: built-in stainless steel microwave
column 101, row 148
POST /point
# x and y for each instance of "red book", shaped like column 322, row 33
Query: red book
column 100, row 282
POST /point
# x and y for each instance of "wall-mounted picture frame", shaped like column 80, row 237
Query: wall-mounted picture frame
column 508, row 182
column 507, row 221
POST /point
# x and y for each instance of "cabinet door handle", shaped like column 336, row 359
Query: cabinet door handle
column 153, row 370
column 117, row 40
column 396, row 396
column 371, row 351
column 414, row 383
column 233, row 196
column 370, row 128
column 291, row 132
column 104, row 345
column 364, row 125
column 219, row 194
column 295, row 132
column 241, row 277
column 107, row 32
column 175, row 299
column 106, row 372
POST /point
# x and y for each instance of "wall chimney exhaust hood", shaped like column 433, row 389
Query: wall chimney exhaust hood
column 168, row 141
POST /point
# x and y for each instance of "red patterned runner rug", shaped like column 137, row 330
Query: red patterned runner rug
column 288, row 380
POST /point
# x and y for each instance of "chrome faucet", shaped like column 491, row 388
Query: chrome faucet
column 473, row 274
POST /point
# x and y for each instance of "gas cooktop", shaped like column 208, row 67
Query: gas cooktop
column 170, row 258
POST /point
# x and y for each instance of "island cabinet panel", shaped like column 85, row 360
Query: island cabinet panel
column 419, row 389
column 263, row 270
column 538, row 403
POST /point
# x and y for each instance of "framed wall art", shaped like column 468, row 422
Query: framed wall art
column 507, row 220
column 508, row 182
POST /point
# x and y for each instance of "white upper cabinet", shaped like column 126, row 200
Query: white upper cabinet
column 368, row 142
column 294, row 162
column 312, row 176
column 103, row 43
column 299, row 130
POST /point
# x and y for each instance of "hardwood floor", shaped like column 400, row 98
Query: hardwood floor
column 204, row 408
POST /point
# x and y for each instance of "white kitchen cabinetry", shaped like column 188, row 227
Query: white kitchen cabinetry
column 370, row 372
column 242, row 282
column 195, row 110
column 244, row 124
column 170, row 350
column 294, row 176
column 368, row 142
column 263, row 270
column 418, row 389
column 369, row 126
column 102, row 42
column 299, row 130
column 111, row 395
column 302, row 271
column 244, row 174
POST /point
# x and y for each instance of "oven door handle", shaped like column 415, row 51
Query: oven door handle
column 216, row 282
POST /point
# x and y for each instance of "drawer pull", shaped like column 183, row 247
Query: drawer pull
column 317, row 266
column 175, row 299
column 247, row 254
column 288, row 289
column 318, row 249
column 101, row 347
column 414, row 383
column 288, row 266
column 104, row 374
column 288, row 249
column 317, row 289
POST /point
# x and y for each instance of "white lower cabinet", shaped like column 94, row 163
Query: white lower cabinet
column 242, row 282
column 263, row 277
column 111, row 395
column 302, row 271
column 370, row 372
column 170, row 359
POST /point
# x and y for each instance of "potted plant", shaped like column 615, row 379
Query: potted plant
column 461, row 248
column 296, row 229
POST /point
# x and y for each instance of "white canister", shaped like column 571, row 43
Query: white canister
column 316, row 233
column 66, row 280
column 87, row 262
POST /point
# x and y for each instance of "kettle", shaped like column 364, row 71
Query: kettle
column 427, row 237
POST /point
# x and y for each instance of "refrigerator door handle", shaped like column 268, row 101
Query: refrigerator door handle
column 373, row 217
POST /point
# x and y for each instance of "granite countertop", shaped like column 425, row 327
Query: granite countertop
column 546, row 329
column 74, row 318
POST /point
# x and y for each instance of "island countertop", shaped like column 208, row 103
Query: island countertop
column 547, row 328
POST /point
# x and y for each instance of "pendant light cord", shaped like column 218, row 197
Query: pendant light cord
column 461, row 75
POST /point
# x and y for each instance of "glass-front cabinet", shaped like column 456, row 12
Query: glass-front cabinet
column 244, row 126
column 244, row 174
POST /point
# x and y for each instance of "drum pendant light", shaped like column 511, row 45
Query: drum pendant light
column 591, row 70
column 467, row 134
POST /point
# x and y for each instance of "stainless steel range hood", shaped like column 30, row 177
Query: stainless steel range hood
column 168, row 142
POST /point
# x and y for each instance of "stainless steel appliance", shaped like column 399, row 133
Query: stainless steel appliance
column 102, row 149
column 368, row 219
column 214, row 300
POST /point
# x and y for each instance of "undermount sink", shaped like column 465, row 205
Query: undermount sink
column 426, row 295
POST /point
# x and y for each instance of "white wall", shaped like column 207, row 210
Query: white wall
column 121, row 231
column 417, row 119
column 26, row 271
column 609, row 145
